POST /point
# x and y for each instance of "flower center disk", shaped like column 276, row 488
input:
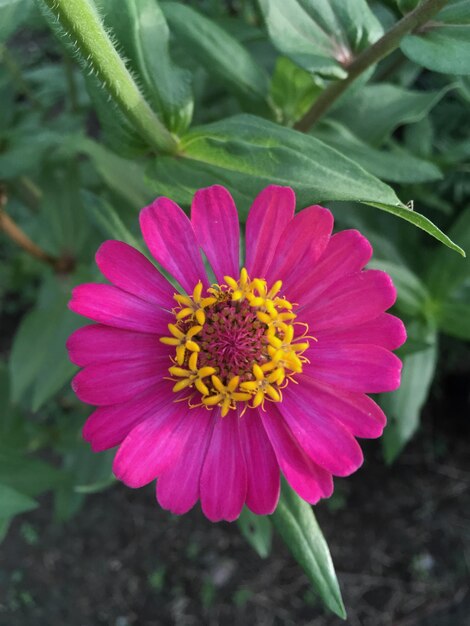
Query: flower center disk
column 236, row 344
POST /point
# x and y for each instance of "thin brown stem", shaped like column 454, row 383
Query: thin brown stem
column 28, row 191
column 14, row 232
column 370, row 56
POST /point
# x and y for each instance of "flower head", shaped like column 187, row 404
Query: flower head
column 216, row 387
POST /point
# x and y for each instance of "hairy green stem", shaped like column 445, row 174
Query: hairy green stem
column 80, row 20
column 370, row 56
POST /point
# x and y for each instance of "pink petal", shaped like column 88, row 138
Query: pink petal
column 108, row 426
column 130, row 270
column 178, row 485
column 325, row 440
column 98, row 344
column 118, row 381
column 152, row 446
column 223, row 480
column 215, row 221
column 112, row 306
column 356, row 411
column 270, row 213
column 306, row 478
column 347, row 253
column 351, row 300
column 262, row 468
column 301, row 244
column 170, row 238
column 385, row 330
column 360, row 368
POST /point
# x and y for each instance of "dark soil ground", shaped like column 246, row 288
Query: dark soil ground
column 399, row 537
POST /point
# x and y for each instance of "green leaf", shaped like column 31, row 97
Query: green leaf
column 423, row 223
column 124, row 177
column 12, row 14
column 296, row 523
column 447, row 272
column 419, row 137
column 293, row 90
column 107, row 220
column 257, row 530
column 85, row 472
column 45, row 369
column 47, row 84
column 12, row 502
column 247, row 153
column 217, row 51
column 411, row 346
column 453, row 318
column 56, row 367
column 406, row 6
column 394, row 165
column 412, row 294
column 26, row 364
column 443, row 45
column 93, row 472
column 64, row 227
column 142, row 33
column 97, row 486
column 389, row 238
column 320, row 36
column 403, row 407
column 375, row 111
column 15, row 432
column 454, row 154
column 26, row 147
column 463, row 83
column 443, row 49
column 27, row 474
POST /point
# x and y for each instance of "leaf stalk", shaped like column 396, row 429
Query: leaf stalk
column 369, row 57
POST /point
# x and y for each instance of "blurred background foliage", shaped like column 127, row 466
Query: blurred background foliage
column 229, row 81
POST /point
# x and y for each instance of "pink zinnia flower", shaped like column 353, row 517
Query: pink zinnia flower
column 217, row 387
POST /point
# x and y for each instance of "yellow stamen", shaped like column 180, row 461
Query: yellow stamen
column 193, row 305
column 197, row 317
column 263, row 387
column 193, row 376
